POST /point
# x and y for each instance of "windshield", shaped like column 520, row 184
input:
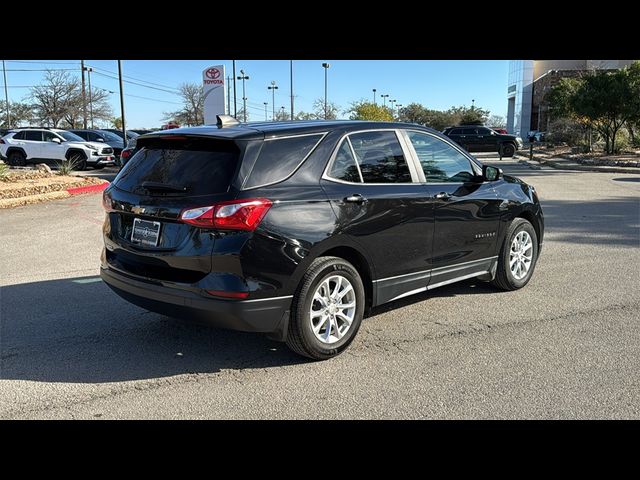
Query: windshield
column 71, row 137
column 112, row 137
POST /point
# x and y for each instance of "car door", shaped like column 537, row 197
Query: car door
column 33, row 143
column 381, row 206
column 51, row 150
column 457, row 136
column 470, row 143
column 466, row 209
column 486, row 140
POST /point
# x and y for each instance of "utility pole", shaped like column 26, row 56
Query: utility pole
column 6, row 94
column 84, row 99
column 291, row 72
column 326, row 69
column 124, row 126
column 89, row 70
column 235, row 102
column 228, row 95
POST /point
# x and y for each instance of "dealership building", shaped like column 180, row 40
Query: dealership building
column 529, row 80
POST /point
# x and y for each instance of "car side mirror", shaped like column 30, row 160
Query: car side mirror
column 55, row 140
column 100, row 139
column 491, row 174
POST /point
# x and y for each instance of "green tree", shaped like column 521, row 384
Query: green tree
column 415, row 113
column 19, row 113
column 364, row 110
column 306, row 116
column 469, row 115
column 116, row 122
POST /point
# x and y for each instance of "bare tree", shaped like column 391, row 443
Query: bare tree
column 55, row 97
column 98, row 108
column 192, row 111
column 19, row 113
column 496, row 121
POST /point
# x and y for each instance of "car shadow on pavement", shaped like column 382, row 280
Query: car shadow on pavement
column 77, row 330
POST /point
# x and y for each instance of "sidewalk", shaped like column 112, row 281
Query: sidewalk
column 568, row 164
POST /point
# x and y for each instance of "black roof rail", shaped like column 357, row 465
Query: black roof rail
column 24, row 128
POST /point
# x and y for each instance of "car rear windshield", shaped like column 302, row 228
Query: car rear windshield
column 197, row 166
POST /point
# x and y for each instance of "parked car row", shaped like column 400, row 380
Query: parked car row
column 91, row 147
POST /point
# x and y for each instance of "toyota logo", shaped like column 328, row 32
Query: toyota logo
column 212, row 73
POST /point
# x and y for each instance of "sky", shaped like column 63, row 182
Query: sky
column 437, row 84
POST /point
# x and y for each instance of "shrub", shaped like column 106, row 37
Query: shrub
column 565, row 130
column 4, row 169
column 65, row 167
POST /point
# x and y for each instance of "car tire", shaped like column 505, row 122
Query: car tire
column 78, row 160
column 17, row 159
column 508, row 150
column 508, row 277
column 98, row 167
column 323, row 289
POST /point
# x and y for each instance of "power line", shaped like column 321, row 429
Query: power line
column 139, row 84
column 41, row 69
column 43, row 63
column 138, row 79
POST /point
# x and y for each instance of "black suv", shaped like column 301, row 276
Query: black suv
column 296, row 229
column 475, row 138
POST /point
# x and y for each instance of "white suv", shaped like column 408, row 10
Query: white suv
column 35, row 145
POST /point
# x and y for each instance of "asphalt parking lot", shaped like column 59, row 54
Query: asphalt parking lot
column 566, row 346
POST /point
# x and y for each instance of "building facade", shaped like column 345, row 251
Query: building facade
column 528, row 82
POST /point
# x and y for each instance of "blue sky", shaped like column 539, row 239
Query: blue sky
column 437, row 84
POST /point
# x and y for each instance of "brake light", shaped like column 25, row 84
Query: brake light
column 106, row 202
column 125, row 153
column 245, row 214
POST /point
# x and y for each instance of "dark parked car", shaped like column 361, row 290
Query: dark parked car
column 474, row 138
column 102, row 136
column 130, row 133
column 129, row 151
column 295, row 229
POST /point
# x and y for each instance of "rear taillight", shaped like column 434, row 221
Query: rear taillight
column 125, row 153
column 245, row 214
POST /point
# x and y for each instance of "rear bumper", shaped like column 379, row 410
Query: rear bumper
column 268, row 315
column 106, row 160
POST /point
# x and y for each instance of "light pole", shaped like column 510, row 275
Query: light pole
column 265, row 110
column 235, row 101
column 273, row 87
column 374, row 96
column 6, row 94
column 392, row 102
column 124, row 125
column 89, row 70
column 398, row 109
column 384, row 99
column 291, row 74
column 244, row 77
column 326, row 69
column 84, row 98
column 473, row 101
column 282, row 113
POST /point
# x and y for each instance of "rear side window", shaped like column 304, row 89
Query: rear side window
column 203, row 167
column 19, row 136
column 33, row 135
column 344, row 166
column 279, row 158
column 455, row 131
column 380, row 157
column 469, row 131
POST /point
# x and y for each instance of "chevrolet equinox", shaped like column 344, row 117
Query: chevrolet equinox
column 296, row 229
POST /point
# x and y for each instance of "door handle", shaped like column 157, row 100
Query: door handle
column 355, row 198
column 442, row 196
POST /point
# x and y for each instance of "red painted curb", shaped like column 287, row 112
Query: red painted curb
column 88, row 189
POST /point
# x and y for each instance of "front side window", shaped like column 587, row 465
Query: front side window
column 380, row 157
column 70, row 137
column 441, row 162
column 49, row 136
column 468, row 131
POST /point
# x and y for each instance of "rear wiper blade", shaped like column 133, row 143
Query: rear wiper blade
column 163, row 186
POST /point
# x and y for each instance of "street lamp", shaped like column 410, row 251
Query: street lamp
column 384, row 99
column 398, row 106
column 392, row 102
column 273, row 87
column 282, row 113
column 89, row 70
column 265, row 110
column 326, row 68
column 244, row 77
column 374, row 96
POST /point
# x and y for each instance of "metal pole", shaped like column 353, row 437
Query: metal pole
column 124, row 126
column 273, row 103
column 244, row 97
column 229, row 95
column 6, row 94
column 89, row 70
column 265, row 110
column 235, row 103
column 291, row 74
column 374, row 97
column 326, row 67
column 84, row 99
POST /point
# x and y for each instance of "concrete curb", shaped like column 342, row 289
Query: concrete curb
column 577, row 167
